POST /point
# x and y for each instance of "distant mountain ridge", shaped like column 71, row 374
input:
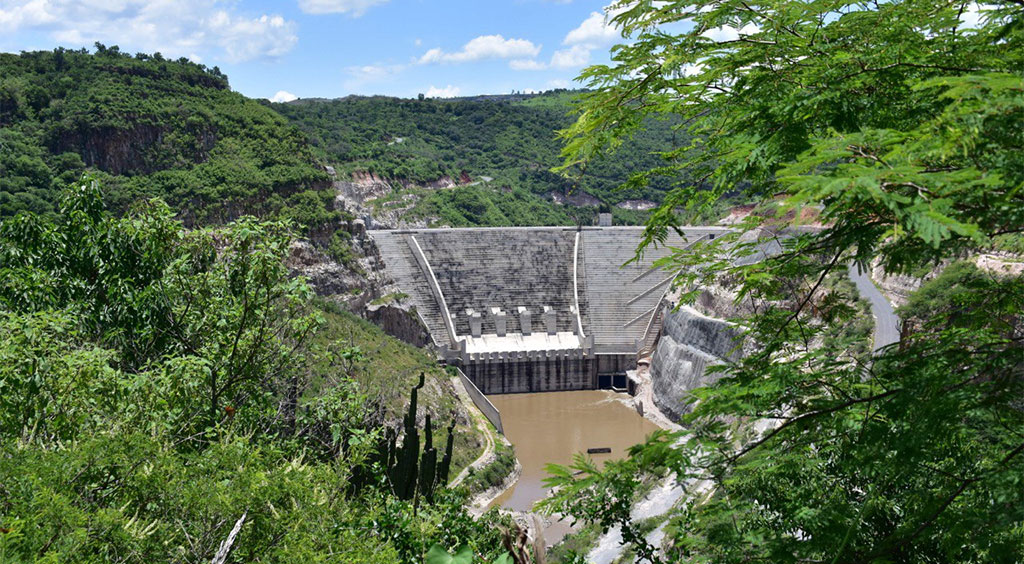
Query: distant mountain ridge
column 148, row 126
column 152, row 127
column 510, row 139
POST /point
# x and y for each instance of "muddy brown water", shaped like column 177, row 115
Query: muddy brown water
column 549, row 428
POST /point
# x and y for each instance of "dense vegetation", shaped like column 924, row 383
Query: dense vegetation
column 150, row 127
column 512, row 142
column 161, row 386
column 902, row 124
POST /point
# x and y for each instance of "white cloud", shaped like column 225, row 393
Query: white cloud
column 245, row 39
column 370, row 73
column 484, row 47
column 354, row 7
column 971, row 18
column 558, row 83
column 595, row 31
column 446, row 92
column 526, row 64
column 575, row 56
column 25, row 14
column 360, row 76
column 729, row 33
column 693, row 70
column 571, row 58
column 192, row 28
column 284, row 96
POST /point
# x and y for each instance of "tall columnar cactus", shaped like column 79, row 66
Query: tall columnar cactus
column 444, row 467
column 428, row 463
column 403, row 474
column 407, row 469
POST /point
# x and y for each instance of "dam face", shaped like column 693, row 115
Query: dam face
column 535, row 309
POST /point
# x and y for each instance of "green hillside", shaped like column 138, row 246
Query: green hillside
column 149, row 127
column 511, row 140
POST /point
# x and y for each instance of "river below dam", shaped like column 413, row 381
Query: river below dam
column 549, row 428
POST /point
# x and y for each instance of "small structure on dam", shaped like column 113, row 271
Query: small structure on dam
column 535, row 309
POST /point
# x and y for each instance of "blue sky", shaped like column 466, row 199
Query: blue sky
column 332, row 48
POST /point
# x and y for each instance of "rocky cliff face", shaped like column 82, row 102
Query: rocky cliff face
column 356, row 194
column 690, row 344
column 137, row 149
column 329, row 278
column 399, row 322
column 366, row 291
column 896, row 288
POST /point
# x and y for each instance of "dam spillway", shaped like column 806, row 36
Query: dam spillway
column 535, row 309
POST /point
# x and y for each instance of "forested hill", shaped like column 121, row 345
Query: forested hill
column 149, row 127
column 511, row 139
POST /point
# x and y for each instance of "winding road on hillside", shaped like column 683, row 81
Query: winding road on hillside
column 887, row 324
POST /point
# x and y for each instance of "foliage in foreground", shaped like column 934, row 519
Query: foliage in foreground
column 903, row 125
column 155, row 390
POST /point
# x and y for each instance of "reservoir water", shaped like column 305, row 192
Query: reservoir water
column 551, row 427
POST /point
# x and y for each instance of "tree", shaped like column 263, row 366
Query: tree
column 157, row 383
column 901, row 123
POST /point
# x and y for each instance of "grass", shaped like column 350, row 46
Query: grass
column 494, row 473
column 394, row 297
column 575, row 546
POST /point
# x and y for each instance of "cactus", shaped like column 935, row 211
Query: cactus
column 444, row 467
column 403, row 473
column 409, row 471
column 428, row 463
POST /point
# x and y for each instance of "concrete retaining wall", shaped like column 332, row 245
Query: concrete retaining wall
column 482, row 403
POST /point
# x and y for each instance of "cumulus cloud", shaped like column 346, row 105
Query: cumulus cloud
column 570, row 58
column 25, row 14
column 446, row 92
column 355, row 8
column 729, row 33
column 283, row 96
column 369, row 73
column 484, row 47
column 575, row 56
column 595, row 31
column 971, row 18
column 191, row 28
column 363, row 75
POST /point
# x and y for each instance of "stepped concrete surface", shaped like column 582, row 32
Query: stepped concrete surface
column 623, row 298
column 402, row 267
column 535, row 308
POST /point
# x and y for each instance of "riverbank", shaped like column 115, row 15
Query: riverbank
column 495, row 445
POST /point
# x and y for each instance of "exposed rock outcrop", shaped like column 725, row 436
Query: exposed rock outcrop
column 126, row 150
column 637, row 205
column 897, row 287
column 329, row 278
column 356, row 194
column 399, row 322
column 576, row 198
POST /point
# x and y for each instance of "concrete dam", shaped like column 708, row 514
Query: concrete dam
column 535, row 309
